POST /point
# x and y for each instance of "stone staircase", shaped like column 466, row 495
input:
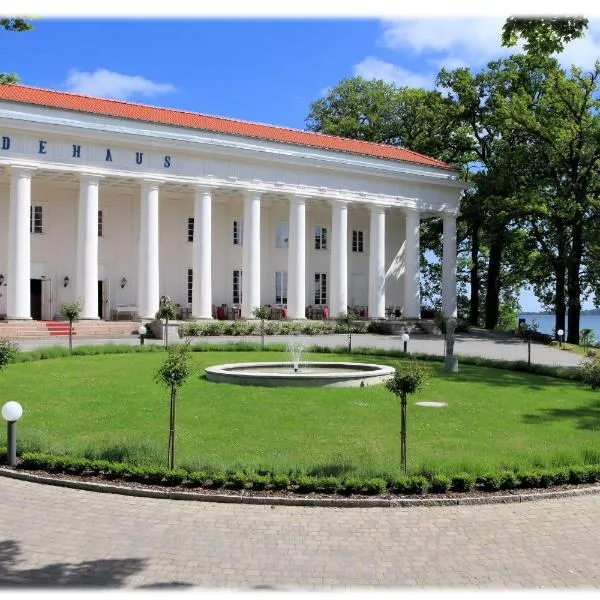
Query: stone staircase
column 39, row 330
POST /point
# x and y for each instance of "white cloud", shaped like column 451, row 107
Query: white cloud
column 473, row 42
column 373, row 68
column 109, row 84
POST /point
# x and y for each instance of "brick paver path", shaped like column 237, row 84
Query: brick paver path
column 60, row 537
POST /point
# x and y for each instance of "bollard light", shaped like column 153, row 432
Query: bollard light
column 142, row 331
column 560, row 334
column 12, row 412
column 405, row 338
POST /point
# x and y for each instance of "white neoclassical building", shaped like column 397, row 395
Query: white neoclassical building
column 117, row 204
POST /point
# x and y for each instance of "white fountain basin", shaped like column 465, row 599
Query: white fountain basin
column 310, row 374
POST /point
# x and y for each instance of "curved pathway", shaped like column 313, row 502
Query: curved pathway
column 52, row 536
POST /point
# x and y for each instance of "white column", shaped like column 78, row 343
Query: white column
column 202, row 263
column 297, row 259
column 251, row 254
column 18, row 294
column 412, row 291
column 449, row 267
column 148, row 281
column 87, row 244
column 377, row 263
column 338, row 293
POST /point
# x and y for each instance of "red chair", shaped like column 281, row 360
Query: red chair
column 284, row 313
column 220, row 313
column 326, row 313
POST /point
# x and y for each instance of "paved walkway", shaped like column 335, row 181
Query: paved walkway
column 58, row 537
column 480, row 343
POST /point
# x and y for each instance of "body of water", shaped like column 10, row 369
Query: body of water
column 546, row 323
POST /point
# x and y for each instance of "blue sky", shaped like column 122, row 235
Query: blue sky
column 265, row 70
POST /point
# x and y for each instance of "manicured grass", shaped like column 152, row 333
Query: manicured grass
column 109, row 406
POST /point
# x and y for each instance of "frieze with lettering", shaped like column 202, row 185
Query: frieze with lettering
column 76, row 152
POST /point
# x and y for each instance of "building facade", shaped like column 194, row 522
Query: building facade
column 117, row 204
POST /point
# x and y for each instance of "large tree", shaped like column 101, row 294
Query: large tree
column 14, row 25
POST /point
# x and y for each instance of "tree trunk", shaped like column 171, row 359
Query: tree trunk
column 574, row 284
column 172, row 428
column 475, row 282
column 166, row 333
column 492, row 297
column 403, row 433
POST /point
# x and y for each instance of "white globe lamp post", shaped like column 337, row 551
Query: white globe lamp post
column 11, row 413
column 405, row 338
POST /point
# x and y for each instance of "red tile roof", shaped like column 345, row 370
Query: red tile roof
column 181, row 118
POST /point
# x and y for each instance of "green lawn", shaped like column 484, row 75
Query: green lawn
column 110, row 406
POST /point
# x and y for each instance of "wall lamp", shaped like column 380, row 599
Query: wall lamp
column 66, row 280
column 1, row 279
column 123, row 282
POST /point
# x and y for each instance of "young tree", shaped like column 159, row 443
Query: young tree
column 167, row 310
column 173, row 373
column 263, row 313
column 71, row 312
column 407, row 379
column 347, row 322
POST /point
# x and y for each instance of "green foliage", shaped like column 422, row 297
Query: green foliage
column 8, row 351
column 440, row 484
column 262, row 313
column 71, row 310
column 243, row 328
column 407, row 379
column 175, row 369
column 587, row 337
column 167, row 309
column 590, row 371
column 463, row 482
column 14, row 24
column 543, row 35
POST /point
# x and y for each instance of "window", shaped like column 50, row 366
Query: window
column 320, row 238
column 320, row 288
column 237, row 286
column 281, row 235
column 190, row 284
column 35, row 219
column 190, row 229
column 357, row 241
column 238, row 233
column 100, row 223
column 281, row 279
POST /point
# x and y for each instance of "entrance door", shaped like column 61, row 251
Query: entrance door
column 104, row 299
column 35, row 288
column 46, row 300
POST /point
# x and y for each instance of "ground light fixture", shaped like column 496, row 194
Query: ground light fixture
column 560, row 334
column 142, row 331
column 405, row 338
column 11, row 413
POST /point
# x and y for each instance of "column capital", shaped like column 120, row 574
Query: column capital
column 19, row 169
column 205, row 188
column 298, row 198
column 253, row 194
column 449, row 216
column 90, row 176
column 377, row 208
column 411, row 210
column 150, row 183
column 341, row 202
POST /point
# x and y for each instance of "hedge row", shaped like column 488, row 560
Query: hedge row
column 271, row 328
column 305, row 483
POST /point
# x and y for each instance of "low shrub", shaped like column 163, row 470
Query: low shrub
column 590, row 372
column 463, row 482
column 417, row 485
column 375, row 485
column 440, row 484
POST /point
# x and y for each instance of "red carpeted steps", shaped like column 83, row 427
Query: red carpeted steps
column 58, row 327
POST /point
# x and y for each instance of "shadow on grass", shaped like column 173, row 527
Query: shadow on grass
column 503, row 378
column 105, row 573
column 585, row 417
